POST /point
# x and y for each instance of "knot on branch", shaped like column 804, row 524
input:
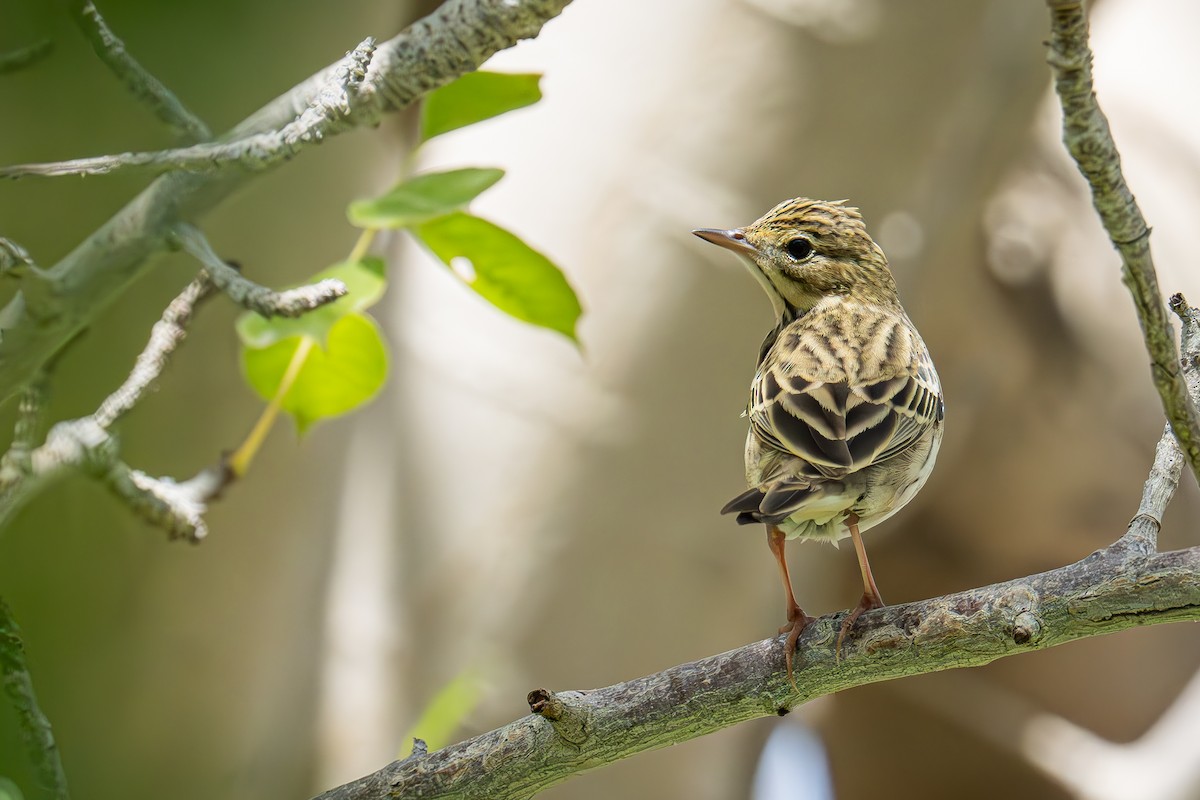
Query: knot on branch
column 1189, row 339
column 570, row 717
column 1019, row 605
column 1027, row 628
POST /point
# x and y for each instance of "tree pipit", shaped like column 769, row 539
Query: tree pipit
column 846, row 408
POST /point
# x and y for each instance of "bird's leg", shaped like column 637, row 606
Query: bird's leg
column 797, row 620
column 870, row 598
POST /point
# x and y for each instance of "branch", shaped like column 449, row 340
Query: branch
column 18, row 460
column 1104, row 593
column 250, row 295
column 455, row 39
column 1122, row 586
column 166, row 335
column 1087, row 137
column 87, row 444
column 35, row 727
column 326, row 115
column 13, row 257
column 140, row 83
column 16, row 60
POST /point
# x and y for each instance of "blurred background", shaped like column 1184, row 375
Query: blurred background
column 531, row 515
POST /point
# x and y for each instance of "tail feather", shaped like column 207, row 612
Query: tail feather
column 748, row 500
column 776, row 502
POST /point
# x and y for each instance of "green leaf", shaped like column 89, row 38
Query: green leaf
column 446, row 711
column 347, row 372
column 504, row 270
column 423, row 197
column 9, row 790
column 365, row 282
column 474, row 97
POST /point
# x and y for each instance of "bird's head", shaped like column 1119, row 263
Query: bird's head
column 804, row 250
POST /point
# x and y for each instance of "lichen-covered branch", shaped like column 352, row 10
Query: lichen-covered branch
column 328, row 113
column 13, row 257
column 454, row 39
column 35, row 727
column 250, row 295
column 166, row 335
column 1104, row 593
column 140, row 83
column 88, row 445
column 1087, row 137
column 1142, row 536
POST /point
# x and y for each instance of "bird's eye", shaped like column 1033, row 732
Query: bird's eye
column 799, row 248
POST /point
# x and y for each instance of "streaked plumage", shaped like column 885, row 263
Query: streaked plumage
column 846, row 408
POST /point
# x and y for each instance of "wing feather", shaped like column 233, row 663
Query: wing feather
column 840, row 405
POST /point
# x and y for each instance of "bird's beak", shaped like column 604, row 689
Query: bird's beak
column 733, row 240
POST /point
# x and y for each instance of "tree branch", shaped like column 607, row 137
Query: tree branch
column 250, row 295
column 16, row 60
column 1123, row 586
column 326, row 115
column 140, row 83
column 87, row 444
column 455, row 39
column 1089, row 140
column 1120, row 587
column 35, row 727
column 1104, row 593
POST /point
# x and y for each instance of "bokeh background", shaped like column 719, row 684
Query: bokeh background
column 538, row 516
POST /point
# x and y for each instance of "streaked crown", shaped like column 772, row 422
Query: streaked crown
column 804, row 250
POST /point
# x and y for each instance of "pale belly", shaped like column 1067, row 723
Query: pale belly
column 874, row 494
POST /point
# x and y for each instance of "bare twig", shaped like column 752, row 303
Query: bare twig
column 328, row 113
column 140, row 83
column 15, row 60
column 176, row 507
column 18, row 460
column 1102, row 594
column 12, row 256
column 35, row 727
column 165, row 336
column 1087, row 137
column 250, row 295
column 88, row 445
column 1142, row 535
column 456, row 38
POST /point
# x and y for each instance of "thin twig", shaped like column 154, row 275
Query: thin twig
column 1087, row 137
column 250, row 295
column 88, row 445
column 328, row 113
column 35, row 727
column 140, row 83
column 13, row 257
column 17, row 461
column 167, row 334
column 178, row 508
column 1102, row 594
column 1142, row 535
column 16, row 60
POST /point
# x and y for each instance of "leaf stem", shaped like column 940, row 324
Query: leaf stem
column 363, row 244
column 239, row 462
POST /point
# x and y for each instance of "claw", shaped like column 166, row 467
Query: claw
column 868, row 602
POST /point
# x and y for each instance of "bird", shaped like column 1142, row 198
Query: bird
column 846, row 409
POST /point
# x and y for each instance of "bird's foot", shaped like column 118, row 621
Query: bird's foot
column 868, row 602
column 797, row 622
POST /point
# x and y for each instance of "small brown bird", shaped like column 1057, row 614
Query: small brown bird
column 846, row 408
